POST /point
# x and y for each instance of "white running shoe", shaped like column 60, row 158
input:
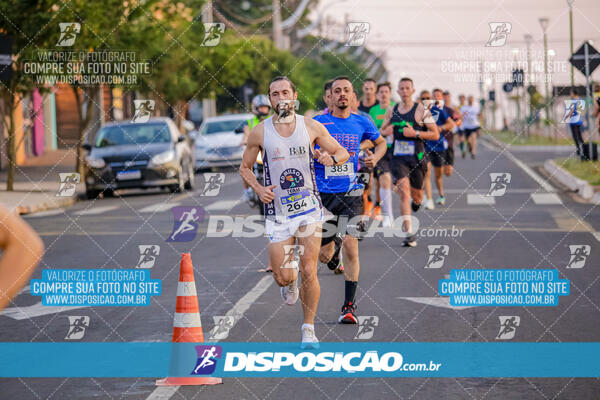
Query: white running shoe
column 290, row 293
column 429, row 205
column 246, row 195
column 386, row 221
column 309, row 339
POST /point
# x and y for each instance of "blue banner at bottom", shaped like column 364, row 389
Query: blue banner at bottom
column 288, row 360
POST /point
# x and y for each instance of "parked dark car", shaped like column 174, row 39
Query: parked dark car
column 128, row 155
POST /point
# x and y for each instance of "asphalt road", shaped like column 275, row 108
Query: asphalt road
column 517, row 231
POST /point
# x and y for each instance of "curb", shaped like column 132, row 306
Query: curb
column 22, row 210
column 583, row 188
column 515, row 147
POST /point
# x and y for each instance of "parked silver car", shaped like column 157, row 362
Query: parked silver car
column 128, row 155
column 218, row 141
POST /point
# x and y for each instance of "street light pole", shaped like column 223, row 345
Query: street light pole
column 544, row 24
column 528, row 39
column 570, row 3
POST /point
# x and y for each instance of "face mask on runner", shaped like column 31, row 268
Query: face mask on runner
column 285, row 110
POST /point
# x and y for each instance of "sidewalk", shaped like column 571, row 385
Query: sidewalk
column 37, row 183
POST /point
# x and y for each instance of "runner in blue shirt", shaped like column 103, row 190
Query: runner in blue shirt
column 337, row 185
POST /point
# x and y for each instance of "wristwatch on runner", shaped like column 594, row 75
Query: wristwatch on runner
column 417, row 134
column 334, row 160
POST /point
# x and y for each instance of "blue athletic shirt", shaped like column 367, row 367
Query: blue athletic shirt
column 349, row 132
column 441, row 144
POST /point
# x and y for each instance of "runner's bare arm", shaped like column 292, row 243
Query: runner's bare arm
column 432, row 132
column 328, row 144
column 386, row 127
column 366, row 144
column 255, row 142
column 448, row 125
column 380, row 148
column 22, row 251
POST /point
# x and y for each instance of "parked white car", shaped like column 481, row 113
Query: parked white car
column 218, row 141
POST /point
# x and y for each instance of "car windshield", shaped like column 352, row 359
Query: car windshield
column 133, row 134
column 221, row 126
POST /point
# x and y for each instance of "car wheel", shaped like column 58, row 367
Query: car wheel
column 92, row 194
column 189, row 184
column 109, row 193
column 178, row 188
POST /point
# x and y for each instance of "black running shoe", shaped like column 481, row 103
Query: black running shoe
column 334, row 263
column 348, row 316
column 415, row 206
column 361, row 229
column 410, row 241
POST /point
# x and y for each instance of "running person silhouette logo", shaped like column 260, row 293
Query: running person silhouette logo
column 499, row 32
column 291, row 256
column 212, row 183
column 222, row 326
column 437, row 255
column 148, row 254
column 68, row 33
column 579, row 254
column 207, row 359
column 499, row 183
column 357, row 33
column 185, row 224
column 366, row 327
column 574, row 109
column 508, row 327
column 212, row 34
column 77, row 326
column 68, row 184
column 143, row 110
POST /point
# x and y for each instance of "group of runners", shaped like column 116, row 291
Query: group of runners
column 319, row 173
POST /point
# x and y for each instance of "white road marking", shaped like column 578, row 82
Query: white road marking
column 95, row 210
column 159, row 207
column 36, row 310
column 545, row 198
column 478, row 199
column 443, row 302
column 534, row 175
column 596, row 235
column 222, row 205
column 45, row 213
column 237, row 311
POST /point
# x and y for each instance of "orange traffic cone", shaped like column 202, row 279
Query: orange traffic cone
column 187, row 326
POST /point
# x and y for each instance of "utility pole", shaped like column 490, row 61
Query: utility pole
column 570, row 3
column 544, row 24
column 277, row 28
column 209, row 105
column 528, row 39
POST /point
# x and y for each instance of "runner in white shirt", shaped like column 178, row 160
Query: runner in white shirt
column 293, row 209
column 470, row 124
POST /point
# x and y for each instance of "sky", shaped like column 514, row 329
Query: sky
column 440, row 43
